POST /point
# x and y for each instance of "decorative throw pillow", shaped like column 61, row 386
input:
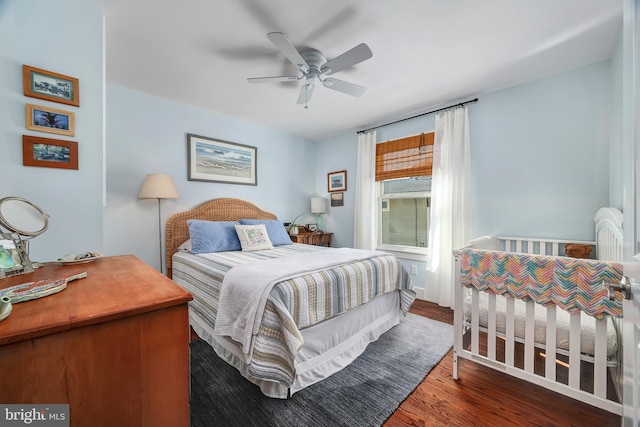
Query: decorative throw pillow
column 275, row 229
column 185, row 247
column 253, row 237
column 213, row 236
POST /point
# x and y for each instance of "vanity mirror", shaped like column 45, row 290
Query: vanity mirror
column 20, row 221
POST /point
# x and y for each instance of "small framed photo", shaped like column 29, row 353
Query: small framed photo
column 215, row 160
column 337, row 199
column 312, row 227
column 49, row 153
column 43, row 84
column 337, row 181
column 51, row 120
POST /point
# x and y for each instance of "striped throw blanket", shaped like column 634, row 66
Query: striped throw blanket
column 295, row 303
column 570, row 283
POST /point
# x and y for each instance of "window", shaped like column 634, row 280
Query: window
column 403, row 172
column 405, row 212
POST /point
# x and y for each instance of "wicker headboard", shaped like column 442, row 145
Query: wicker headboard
column 225, row 209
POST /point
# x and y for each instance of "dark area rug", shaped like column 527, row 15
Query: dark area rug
column 364, row 393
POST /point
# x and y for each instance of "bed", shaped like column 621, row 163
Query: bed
column 315, row 309
column 523, row 307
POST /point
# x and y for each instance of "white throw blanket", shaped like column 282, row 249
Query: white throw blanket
column 245, row 288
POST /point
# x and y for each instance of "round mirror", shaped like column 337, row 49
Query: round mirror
column 21, row 216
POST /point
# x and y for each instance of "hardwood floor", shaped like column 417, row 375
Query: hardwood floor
column 485, row 397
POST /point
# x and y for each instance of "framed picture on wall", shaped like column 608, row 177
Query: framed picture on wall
column 49, row 153
column 43, row 84
column 51, row 120
column 337, row 199
column 337, row 181
column 215, row 160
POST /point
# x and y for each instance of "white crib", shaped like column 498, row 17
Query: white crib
column 571, row 353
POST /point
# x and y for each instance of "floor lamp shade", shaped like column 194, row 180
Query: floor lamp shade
column 158, row 186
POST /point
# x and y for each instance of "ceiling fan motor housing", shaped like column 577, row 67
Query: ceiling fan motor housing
column 315, row 60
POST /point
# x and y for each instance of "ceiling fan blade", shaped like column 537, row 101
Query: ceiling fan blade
column 348, row 59
column 305, row 94
column 344, row 87
column 272, row 79
column 286, row 47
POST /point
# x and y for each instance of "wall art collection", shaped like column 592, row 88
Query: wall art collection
column 50, row 86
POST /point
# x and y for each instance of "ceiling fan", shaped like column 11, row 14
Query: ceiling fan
column 314, row 66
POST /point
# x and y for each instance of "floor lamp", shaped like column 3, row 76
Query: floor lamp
column 158, row 186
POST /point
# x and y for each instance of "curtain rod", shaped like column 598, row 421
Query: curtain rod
column 419, row 115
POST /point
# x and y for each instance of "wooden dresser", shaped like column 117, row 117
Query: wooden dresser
column 114, row 346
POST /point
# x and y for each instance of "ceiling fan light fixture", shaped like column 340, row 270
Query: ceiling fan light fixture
column 313, row 64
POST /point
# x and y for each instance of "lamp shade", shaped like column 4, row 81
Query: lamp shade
column 318, row 205
column 158, row 186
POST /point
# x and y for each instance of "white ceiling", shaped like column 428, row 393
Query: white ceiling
column 426, row 53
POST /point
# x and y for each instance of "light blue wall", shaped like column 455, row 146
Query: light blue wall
column 539, row 159
column 64, row 37
column 540, row 156
column 147, row 134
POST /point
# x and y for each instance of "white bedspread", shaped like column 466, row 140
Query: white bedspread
column 245, row 289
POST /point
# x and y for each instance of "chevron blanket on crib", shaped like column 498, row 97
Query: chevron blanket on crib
column 570, row 283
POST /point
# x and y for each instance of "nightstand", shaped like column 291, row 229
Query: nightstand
column 325, row 238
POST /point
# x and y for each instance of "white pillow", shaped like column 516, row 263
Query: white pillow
column 253, row 237
column 185, row 247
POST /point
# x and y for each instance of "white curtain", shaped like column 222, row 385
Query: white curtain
column 364, row 224
column 450, row 195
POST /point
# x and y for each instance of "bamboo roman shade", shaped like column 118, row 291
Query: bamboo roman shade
column 406, row 157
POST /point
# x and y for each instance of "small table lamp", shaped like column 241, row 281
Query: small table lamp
column 318, row 207
column 158, row 186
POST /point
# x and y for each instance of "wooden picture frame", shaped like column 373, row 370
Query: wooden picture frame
column 337, row 181
column 337, row 199
column 49, row 153
column 43, row 84
column 51, row 120
column 215, row 160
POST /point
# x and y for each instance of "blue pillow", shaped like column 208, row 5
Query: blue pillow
column 213, row 236
column 275, row 230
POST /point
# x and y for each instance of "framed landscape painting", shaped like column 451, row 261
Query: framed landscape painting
column 337, row 181
column 215, row 160
column 43, row 84
column 49, row 153
column 337, row 199
column 51, row 120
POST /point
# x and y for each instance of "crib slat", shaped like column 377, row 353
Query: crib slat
column 550, row 344
column 475, row 321
column 600, row 362
column 530, row 247
column 491, row 327
column 543, row 248
column 510, row 332
column 529, row 335
column 574, row 351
